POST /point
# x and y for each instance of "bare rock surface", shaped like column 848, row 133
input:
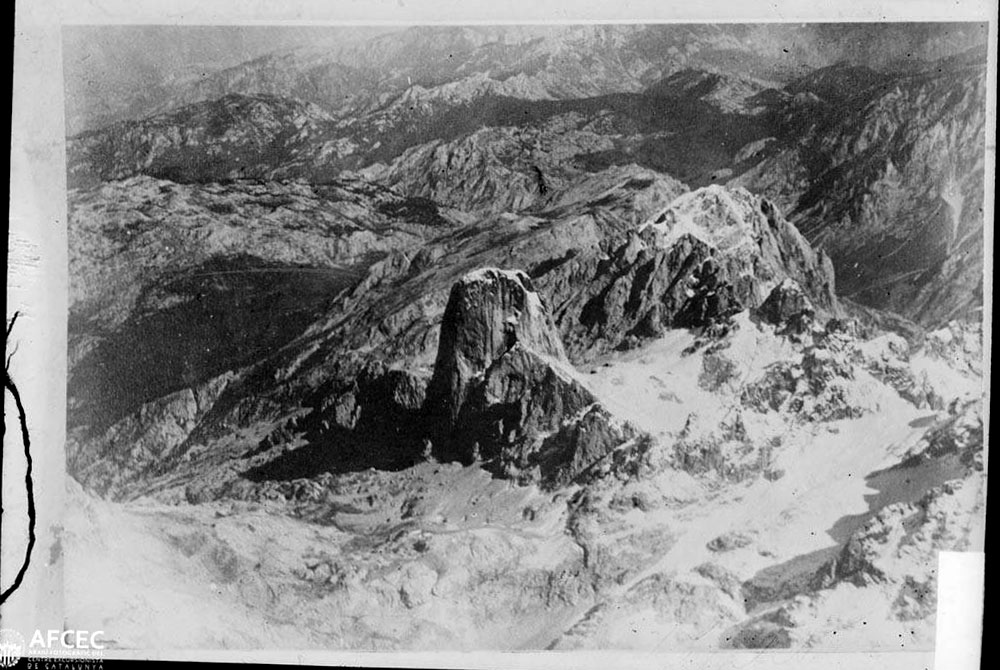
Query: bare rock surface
column 502, row 385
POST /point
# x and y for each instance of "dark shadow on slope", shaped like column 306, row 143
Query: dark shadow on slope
column 216, row 317
column 897, row 484
column 338, row 451
column 376, row 423
column 415, row 210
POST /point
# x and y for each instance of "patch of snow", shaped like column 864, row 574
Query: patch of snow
column 716, row 215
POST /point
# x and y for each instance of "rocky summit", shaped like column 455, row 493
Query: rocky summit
column 502, row 385
column 554, row 337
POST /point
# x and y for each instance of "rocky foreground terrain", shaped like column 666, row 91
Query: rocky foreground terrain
column 493, row 361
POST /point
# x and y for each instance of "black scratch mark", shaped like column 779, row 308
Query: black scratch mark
column 28, row 483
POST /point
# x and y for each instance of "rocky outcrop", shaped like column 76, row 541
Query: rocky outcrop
column 378, row 397
column 959, row 344
column 823, row 385
column 503, row 390
column 788, row 308
column 489, row 313
column 709, row 254
column 725, row 450
column 158, row 432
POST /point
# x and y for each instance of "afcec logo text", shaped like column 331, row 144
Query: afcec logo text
column 80, row 649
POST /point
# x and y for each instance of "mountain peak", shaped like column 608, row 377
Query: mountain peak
column 489, row 312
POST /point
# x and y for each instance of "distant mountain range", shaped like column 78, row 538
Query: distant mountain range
column 481, row 117
column 129, row 72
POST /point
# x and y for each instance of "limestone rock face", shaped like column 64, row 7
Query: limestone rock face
column 708, row 255
column 503, row 390
column 866, row 179
column 488, row 313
